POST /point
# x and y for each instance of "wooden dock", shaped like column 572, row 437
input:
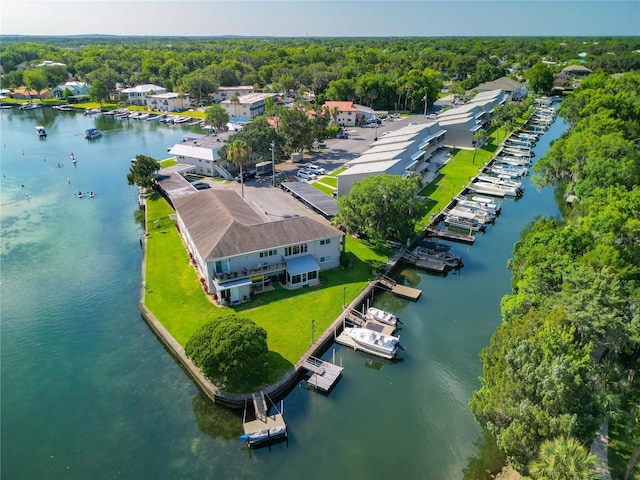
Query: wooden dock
column 403, row 291
column 454, row 237
column 324, row 375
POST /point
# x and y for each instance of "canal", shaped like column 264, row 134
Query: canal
column 89, row 392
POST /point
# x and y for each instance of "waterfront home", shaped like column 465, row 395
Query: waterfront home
column 247, row 106
column 225, row 93
column 137, row 95
column 202, row 151
column 169, row 101
column 239, row 252
column 77, row 90
column 514, row 89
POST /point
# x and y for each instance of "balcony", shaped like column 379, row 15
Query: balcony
column 260, row 269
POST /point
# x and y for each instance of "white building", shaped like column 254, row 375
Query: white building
column 226, row 93
column 202, row 153
column 247, row 106
column 137, row 95
column 169, row 102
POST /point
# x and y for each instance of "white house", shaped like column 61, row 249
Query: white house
column 137, row 95
column 247, row 106
column 202, row 153
column 226, row 93
column 169, row 102
column 345, row 114
column 239, row 253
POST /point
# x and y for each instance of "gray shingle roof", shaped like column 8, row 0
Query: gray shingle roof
column 221, row 224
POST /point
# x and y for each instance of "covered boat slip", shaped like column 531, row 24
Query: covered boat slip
column 259, row 431
column 312, row 197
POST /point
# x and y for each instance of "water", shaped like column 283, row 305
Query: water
column 88, row 391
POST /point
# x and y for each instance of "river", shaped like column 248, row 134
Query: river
column 89, row 392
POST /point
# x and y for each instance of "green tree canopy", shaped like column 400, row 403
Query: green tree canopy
column 98, row 92
column 229, row 350
column 381, row 207
column 142, row 170
column 217, row 117
column 540, row 78
column 564, row 458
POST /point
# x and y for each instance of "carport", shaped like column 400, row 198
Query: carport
column 312, row 197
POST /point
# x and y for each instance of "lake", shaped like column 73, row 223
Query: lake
column 89, row 392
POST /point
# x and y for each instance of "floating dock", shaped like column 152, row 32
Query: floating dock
column 403, row 291
column 324, row 375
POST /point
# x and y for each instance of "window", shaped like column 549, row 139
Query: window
column 312, row 275
column 295, row 249
column 325, row 259
column 268, row 253
column 325, row 241
column 296, row 279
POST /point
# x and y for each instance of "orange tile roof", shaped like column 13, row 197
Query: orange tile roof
column 342, row 106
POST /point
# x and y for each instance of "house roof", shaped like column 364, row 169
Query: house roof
column 221, row 224
column 576, row 68
column 147, row 87
column 503, row 83
column 342, row 106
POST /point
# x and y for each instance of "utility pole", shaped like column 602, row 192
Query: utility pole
column 273, row 163
column 425, row 104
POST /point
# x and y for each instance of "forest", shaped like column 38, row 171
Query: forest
column 566, row 355
column 384, row 73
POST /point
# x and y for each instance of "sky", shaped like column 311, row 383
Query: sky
column 331, row 18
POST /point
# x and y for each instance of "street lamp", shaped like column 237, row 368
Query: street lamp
column 312, row 330
column 425, row 104
column 266, row 373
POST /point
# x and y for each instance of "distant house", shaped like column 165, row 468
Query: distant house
column 514, row 89
column 137, row 95
column 225, row 93
column 348, row 114
column 79, row 90
column 22, row 94
column 169, row 102
column 49, row 63
column 247, row 106
column 579, row 71
column 238, row 252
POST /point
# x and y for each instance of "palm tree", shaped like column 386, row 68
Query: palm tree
column 479, row 136
column 238, row 153
column 564, row 458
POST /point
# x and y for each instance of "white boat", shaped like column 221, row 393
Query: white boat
column 382, row 316
column 494, row 189
column 142, row 116
column 481, row 216
column 512, row 171
column 180, row 119
column 448, row 258
column 6, row 106
column 265, row 434
column 499, row 181
column 30, row 106
column 92, row 133
column 91, row 111
column 487, row 206
column 373, row 341
column 41, row 131
column 63, row 108
column 469, row 224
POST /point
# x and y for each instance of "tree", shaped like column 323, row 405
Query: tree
column 35, row 79
column 217, row 117
column 564, row 458
column 98, row 92
column 381, row 207
column 296, row 127
column 142, row 170
column 229, row 350
column 239, row 153
column 540, row 78
column 479, row 137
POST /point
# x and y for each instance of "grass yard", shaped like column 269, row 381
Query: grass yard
column 175, row 296
column 324, row 188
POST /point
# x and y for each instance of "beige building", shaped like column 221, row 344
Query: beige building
column 246, row 106
column 169, row 102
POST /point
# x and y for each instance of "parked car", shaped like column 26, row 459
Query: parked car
column 306, row 175
column 343, row 134
column 247, row 175
column 201, row 185
column 316, row 169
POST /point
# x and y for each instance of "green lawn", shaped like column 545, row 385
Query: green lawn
column 329, row 180
column 175, row 296
column 324, row 188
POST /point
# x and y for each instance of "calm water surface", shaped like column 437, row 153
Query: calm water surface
column 88, row 391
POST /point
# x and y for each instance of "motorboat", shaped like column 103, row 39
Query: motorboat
column 6, row 106
column 490, row 206
column 63, row 108
column 92, row 133
column 470, row 224
column 481, row 216
column 489, row 188
column 376, row 342
column 30, row 106
column 382, row 316
column 42, row 133
column 264, row 435
column 448, row 258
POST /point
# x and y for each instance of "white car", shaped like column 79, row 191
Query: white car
column 316, row 169
column 306, row 175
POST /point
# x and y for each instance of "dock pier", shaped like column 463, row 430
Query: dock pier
column 324, row 375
